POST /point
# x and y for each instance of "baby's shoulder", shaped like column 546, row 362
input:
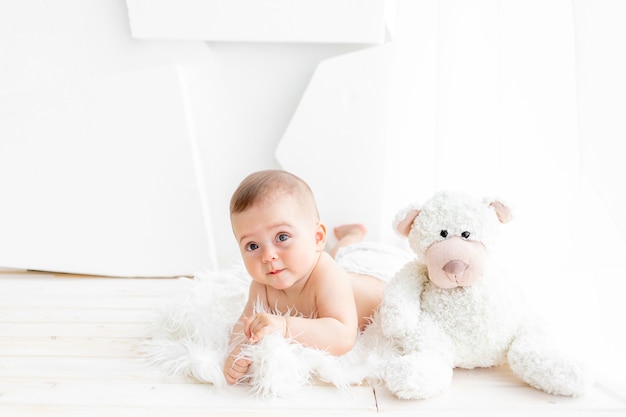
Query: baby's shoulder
column 328, row 268
column 328, row 274
column 258, row 293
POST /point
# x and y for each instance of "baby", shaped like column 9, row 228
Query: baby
column 297, row 289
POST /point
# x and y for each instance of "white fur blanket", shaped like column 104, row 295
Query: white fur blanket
column 190, row 337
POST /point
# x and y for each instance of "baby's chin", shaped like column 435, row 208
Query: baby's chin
column 284, row 281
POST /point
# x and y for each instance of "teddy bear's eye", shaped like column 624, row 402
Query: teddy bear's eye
column 465, row 235
column 443, row 233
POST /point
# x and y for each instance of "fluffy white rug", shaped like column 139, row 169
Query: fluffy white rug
column 190, row 337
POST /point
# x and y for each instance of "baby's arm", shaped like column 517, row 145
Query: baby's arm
column 236, row 367
column 335, row 327
column 329, row 296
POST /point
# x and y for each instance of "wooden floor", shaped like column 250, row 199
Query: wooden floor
column 69, row 347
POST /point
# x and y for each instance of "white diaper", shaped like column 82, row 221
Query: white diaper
column 376, row 259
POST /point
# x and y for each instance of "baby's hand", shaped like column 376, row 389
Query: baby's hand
column 262, row 324
column 235, row 366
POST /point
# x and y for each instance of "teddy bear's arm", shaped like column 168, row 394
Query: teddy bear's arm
column 400, row 308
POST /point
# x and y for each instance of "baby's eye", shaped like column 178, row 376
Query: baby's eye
column 282, row 237
column 443, row 233
column 252, row 246
column 465, row 235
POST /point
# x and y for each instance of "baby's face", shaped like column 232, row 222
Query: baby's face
column 280, row 242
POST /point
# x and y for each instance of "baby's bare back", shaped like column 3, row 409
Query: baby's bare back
column 368, row 293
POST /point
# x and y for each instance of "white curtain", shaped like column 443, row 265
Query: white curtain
column 493, row 104
column 526, row 100
column 519, row 100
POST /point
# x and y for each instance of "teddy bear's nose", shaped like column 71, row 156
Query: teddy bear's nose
column 455, row 267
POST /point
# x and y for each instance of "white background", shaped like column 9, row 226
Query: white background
column 120, row 145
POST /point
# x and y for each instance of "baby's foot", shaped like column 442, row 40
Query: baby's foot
column 353, row 231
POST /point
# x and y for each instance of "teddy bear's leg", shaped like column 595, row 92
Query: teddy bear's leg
column 545, row 367
column 418, row 375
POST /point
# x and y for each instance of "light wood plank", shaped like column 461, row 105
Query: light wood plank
column 182, row 399
column 497, row 391
column 37, row 368
column 80, row 329
column 110, row 410
column 39, row 282
column 86, row 301
column 41, row 292
column 70, row 347
column 74, row 315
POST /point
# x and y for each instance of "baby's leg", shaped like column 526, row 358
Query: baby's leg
column 348, row 234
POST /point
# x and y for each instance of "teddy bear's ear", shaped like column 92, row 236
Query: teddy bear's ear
column 502, row 211
column 403, row 224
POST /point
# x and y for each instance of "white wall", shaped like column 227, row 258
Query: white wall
column 260, row 87
column 95, row 144
column 118, row 155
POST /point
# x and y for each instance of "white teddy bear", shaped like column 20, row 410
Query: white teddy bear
column 449, row 308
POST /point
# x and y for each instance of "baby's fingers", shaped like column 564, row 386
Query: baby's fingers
column 265, row 325
column 235, row 372
column 253, row 327
column 246, row 327
column 236, row 368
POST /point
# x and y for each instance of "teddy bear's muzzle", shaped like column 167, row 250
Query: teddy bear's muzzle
column 455, row 262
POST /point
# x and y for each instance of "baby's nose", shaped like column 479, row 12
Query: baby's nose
column 269, row 255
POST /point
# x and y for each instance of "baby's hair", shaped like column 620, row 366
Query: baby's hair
column 264, row 185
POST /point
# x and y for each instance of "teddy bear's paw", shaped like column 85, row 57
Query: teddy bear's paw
column 418, row 375
column 550, row 370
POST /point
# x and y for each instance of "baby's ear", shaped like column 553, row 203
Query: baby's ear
column 320, row 236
